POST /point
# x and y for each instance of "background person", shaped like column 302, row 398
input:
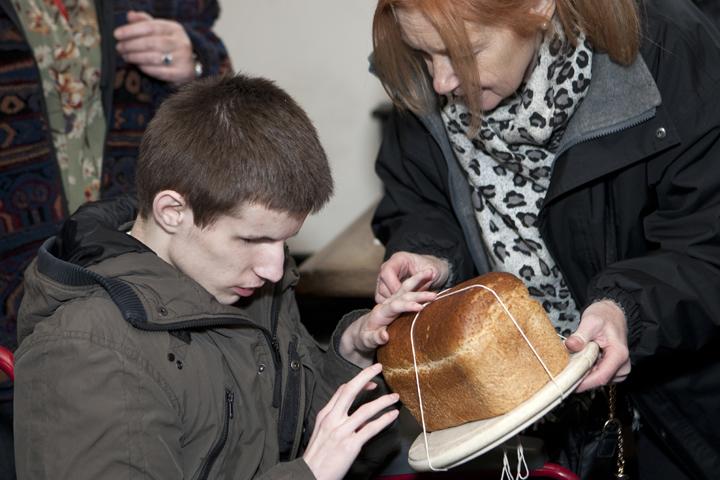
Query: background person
column 574, row 144
column 80, row 81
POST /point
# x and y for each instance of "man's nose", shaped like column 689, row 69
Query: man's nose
column 444, row 78
column 270, row 262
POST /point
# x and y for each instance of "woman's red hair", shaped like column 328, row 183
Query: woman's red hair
column 611, row 26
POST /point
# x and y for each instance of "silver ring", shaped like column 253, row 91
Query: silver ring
column 167, row 58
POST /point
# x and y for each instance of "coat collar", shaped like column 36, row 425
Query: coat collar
column 622, row 115
column 94, row 250
column 622, row 107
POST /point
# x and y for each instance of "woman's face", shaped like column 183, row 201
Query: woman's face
column 503, row 58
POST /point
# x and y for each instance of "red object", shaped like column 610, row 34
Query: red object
column 549, row 470
column 61, row 6
column 7, row 362
column 554, row 471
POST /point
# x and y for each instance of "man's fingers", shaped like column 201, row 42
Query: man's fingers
column 368, row 410
column 370, row 429
column 382, row 291
column 355, row 386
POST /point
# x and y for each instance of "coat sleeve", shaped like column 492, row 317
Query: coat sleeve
column 86, row 410
column 415, row 213
column 333, row 371
column 670, row 294
column 208, row 47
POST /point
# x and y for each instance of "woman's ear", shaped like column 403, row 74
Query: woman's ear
column 545, row 8
column 170, row 210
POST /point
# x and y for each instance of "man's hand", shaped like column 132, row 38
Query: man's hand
column 160, row 48
column 367, row 333
column 405, row 264
column 604, row 323
column 338, row 437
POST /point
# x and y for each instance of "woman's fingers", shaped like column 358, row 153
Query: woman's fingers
column 604, row 323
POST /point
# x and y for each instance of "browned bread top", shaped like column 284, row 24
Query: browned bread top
column 472, row 360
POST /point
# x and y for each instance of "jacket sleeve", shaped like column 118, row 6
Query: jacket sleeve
column 86, row 410
column 670, row 295
column 415, row 213
column 333, row 371
column 208, row 47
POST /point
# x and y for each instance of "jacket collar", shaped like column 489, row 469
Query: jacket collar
column 94, row 250
column 623, row 101
column 618, row 98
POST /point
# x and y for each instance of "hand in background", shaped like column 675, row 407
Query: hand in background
column 604, row 323
column 367, row 333
column 405, row 264
column 160, row 48
column 338, row 437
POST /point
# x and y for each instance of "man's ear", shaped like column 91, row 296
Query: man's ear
column 545, row 8
column 170, row 210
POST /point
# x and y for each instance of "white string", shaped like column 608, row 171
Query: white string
column 521, row 464
column 417, row 375
column 417, row 383
column 506, row 471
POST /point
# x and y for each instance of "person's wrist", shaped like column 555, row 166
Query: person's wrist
column 351, row 347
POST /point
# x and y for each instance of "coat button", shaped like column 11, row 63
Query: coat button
column 261, row 368
column 294, row 364
column 162, row 311
column 661, row 133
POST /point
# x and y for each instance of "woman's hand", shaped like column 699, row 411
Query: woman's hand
column 338, row 437
column 405, row 264
column 604, row 323
column 160, row 48
column 360, row 340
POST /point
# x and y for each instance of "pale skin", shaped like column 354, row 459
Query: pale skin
column 240, row 252
column 145, row 40
column 503, row 60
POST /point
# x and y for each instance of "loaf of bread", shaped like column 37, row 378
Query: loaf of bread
column 473, row 363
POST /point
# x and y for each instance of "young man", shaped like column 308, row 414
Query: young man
column 170, row 347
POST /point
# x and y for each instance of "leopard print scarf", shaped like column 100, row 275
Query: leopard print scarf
column 509, row 163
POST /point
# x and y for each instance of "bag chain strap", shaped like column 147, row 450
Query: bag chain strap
column 615, row 422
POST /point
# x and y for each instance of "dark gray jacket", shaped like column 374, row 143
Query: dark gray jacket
column 632, row 214
column 129, row 369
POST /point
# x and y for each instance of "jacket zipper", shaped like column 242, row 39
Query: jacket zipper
column 618, row 127
column 220, row 443
column 277, row 359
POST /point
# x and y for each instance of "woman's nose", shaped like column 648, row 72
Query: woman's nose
column 444, row 78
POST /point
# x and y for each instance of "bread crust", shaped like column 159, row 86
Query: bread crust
column 472, row 361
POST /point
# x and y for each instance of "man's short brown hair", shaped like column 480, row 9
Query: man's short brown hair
column 223, row 142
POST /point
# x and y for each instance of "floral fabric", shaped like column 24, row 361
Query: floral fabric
column 68, row 56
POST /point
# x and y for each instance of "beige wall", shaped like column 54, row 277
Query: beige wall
column 317, row 50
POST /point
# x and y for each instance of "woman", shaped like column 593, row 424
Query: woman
column 574, row 144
